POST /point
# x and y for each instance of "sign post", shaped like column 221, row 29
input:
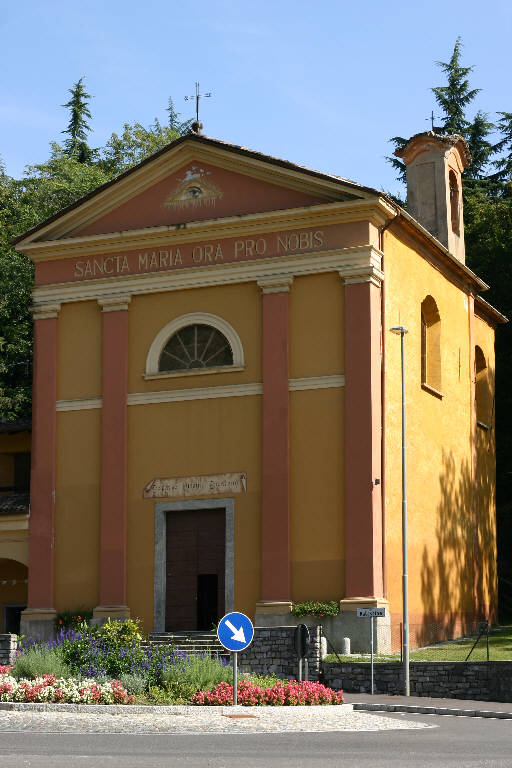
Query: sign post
column 370, row 613
column 301, row 642
column 235, row 633
column 371, row 654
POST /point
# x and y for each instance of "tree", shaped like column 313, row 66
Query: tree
column 504, row 164
column 44, row 190
column 479, row 145
column 456, row 95
column 76, row 144
column 181, row 127
column 135, row 144
column 398, row 165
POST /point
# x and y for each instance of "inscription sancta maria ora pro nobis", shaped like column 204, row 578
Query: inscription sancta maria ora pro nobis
column 196, row 254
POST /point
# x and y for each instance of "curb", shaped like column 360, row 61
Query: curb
column 419, row 710
column 134, row 709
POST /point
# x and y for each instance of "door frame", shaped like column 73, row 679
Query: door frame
column 160, row 579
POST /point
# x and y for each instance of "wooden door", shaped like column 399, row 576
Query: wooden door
column 195, row 569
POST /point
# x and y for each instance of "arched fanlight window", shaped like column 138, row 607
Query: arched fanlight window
column 195, row 346
column 198, row 342
column 430, row 344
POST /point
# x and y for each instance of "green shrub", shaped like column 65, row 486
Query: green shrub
column 316, row 608
column 200, row 673
column 135, row 684
column 180, row 693
column 121, row 634
column 263, row 681
column 113, row 650
column 40, row 660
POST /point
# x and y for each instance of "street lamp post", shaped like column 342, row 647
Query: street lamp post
column 401, row 330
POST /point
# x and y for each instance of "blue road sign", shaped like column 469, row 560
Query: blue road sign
column 235, row 631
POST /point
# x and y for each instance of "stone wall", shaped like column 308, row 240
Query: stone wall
column 272, row 651
column 491, row 681
column 336, row 628
column 8, row 645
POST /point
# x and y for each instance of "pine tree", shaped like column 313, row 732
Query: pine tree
column 398, row 165
column 175, row 124
column 455, row 97
column 76, row 144
column 480, row 147
column 504, row 164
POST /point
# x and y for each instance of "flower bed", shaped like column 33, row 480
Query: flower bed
column 290, row 693
column 49, row 689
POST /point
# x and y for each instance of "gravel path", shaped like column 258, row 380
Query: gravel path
column 202, row 720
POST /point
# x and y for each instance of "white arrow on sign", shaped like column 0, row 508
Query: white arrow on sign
column 238, row 634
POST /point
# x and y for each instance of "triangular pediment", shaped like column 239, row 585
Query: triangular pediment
column 194, row 179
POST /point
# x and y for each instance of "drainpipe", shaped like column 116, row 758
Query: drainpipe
column 381, row 231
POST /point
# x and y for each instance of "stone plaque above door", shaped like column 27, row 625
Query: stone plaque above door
column 197, row 485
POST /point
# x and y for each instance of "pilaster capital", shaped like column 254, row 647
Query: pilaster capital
column 45, row 311
column 275, row 283
column 364, row 270
column 369, row 275
column 115, row 303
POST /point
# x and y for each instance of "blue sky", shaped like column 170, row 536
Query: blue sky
column 322, row 84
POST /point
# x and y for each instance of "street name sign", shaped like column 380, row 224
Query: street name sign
column 369, row 613
column 235, row 631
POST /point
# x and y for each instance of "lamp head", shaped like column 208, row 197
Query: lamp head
column 400, row 330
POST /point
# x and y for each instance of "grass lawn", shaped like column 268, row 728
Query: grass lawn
column 500, row 649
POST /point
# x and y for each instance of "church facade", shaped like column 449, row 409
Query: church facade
column 217, row 395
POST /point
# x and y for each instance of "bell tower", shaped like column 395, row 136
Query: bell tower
column 434, row 164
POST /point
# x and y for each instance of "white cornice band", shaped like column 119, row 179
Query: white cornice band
column 316, row 382
column 194, row 393
column 79, row 404
column 204, row 393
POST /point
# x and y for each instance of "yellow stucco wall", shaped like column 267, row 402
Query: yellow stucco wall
column 79, row 350
column 317, row 343
column 224, row 435
column 486, row 477
column 439, row 446
column 205, row 437
column 77, row 509
column 317, row 439
column 239, row 305
column 14, row 539
column 317, row 494
column 191, row 438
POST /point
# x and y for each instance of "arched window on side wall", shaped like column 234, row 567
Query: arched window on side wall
column 454, row 202
column 483, row 397
column 431, row 345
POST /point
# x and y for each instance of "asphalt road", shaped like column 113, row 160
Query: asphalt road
column 457, row 741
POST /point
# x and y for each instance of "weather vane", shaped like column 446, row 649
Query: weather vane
column 432, row 118
column 198, row 96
